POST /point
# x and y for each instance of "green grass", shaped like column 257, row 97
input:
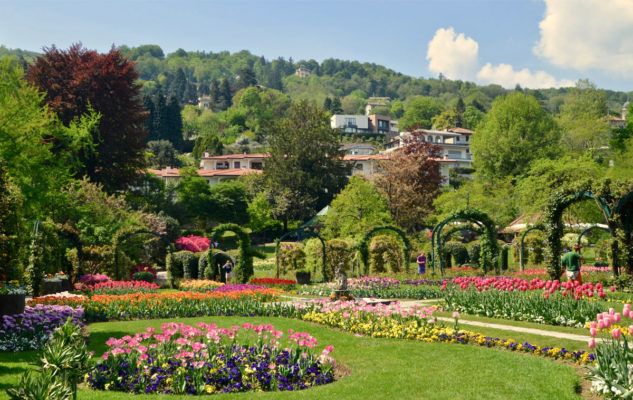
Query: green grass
column 524, row 324
column 380, row 368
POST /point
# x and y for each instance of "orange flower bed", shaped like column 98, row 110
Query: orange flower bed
column 162, row 305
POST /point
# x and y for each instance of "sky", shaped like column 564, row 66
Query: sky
column 534, row 43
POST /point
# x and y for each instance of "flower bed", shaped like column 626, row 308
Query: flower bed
column 206, row 359
column 171, row 305
column 392, row 322
column 199, row 285
column 31, row 329
column 239, row 287
column 285, row 284
column 121, row 287
column 611, row 375
column 523, row 306
column 364, row 288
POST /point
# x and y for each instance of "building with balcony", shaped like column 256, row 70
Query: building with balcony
column 376, row 124
column 454, row 143
column 172, row 176
column 233, row 161
column 303, row 71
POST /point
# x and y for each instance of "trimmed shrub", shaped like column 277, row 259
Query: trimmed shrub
column 183, row 264
column 503, row 257
column 144, row 276
column 458, row 251
column 313, row 250
column 384, row 254
column 534, row 248
column 473, row 254
column 291, row 258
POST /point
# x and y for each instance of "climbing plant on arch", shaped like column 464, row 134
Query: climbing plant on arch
column 35, row 269
column 537, row 227
column 299, row 233
column 460, row 228
column 555, row 229
column 363, row 246
column 244, row 264
column 489, row 247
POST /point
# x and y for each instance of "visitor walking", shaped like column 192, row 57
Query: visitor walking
column 571, row 262
column 422, row 263
column 229, row 273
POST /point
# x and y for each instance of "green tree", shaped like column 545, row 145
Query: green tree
column 162, row 154
column 419, row 113
column 515, row 131
column 207, row 143
column 494, row 197
column 260, row 216
column 472, row 117
column 305, row 167
column 582, row 118
column 545, row 177
column 231, row 202
column 447, row 119
column 246, row 78
column 359, row 207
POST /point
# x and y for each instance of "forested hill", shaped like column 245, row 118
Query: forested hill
column 192, row 74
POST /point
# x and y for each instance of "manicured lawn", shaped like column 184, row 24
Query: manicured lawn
column 380, row 368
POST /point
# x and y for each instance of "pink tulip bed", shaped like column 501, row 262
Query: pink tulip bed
column 206, row 359
column 120, row 288
column 611, row 373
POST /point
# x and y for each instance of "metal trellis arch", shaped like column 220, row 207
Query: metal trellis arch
column 521, row 252
column 297, row 232
column 364, row 248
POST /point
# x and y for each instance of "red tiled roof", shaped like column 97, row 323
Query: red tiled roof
column 463, row 131
column 359, row 157
column 236, row 156
column 175, row 173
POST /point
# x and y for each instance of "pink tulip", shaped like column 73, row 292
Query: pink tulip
column 611, row 310
column 617, row 316
column 564, row 293
column 630, row 329
column 612, row 288
column 601, row 324
column 593, row 332
column 455, row 314
column 592, row 343
column 616, row 333
column 593, row 324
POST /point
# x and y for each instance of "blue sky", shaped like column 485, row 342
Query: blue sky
column 534, row 43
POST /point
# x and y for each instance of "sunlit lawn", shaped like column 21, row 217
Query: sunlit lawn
column 380, row 368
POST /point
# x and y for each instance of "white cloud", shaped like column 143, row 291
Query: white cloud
column 506, row 76
column 588, row 34
column 455, row 56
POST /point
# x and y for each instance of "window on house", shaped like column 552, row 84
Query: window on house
column 350, row 122
column 236, row 164
column 256, row 165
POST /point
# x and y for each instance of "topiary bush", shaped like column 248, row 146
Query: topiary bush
column 385, row 254
column 473, row 254
column 503, row 257
column 182, row 264
column 458, row 251
column 313, row 250
column 292, row 258
column 144, row 276
column 534, row 248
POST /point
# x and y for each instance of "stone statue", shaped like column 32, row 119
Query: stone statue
column 341, row 280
